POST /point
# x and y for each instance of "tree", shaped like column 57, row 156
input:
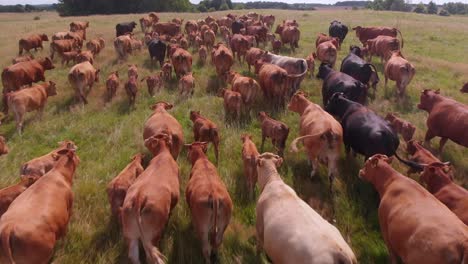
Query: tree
column 431, row 8
column 444, row 12
column 420, row 9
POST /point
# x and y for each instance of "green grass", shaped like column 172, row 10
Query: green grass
column 108, row 136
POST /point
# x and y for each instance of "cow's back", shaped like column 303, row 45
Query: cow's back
column 449, row 119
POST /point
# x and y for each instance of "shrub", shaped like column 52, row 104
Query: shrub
column 37, row 18
column 444, row 12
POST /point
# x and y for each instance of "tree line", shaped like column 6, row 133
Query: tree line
column 24, row 8
column 454, row 8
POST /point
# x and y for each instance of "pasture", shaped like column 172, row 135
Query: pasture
column 107, row 136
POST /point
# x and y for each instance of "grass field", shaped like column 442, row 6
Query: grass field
column 107, row 136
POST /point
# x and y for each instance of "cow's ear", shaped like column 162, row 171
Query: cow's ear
column 259, row 162
column 374, row 162
column 278, row 162
column 168, row 106
column 389, row 160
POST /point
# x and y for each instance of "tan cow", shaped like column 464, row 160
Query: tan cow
column 289, row 34
column 398, row 69
column 209, row 38
column 326, row 52
column 96, row 45
column 112, row 84
column 324, row 37
column 22, row 59
column 415, row 226
column 274, row 129
column 32, row 42
column 79, row 25
column 149, row 202
column 222, row 59
column 69, row 56
column 154, row 81
column 9, row 194
column 83, row 56
column 320, row 133
column 239, row 44
column 417, row 153
column 123, row 46
column 403, row 127
column 252, row 55
column 232, row 102
column 28, row 100
column 39, row 216
column 118, row 186
column 382, row 46
column 80, row 76
column 249, row 155
column 167, row 71
column 274, row 83
column 62, row 45
column 311, row 63
column 202, row 54
column 209, row 201
column 187, row 85
column 182, row 62
column 3, row 146
column 205, row 130
column 288, row 229
column 131, row 88
column 246, row 86
column 161, row 121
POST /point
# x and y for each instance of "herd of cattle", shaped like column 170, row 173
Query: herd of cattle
column 418, row 225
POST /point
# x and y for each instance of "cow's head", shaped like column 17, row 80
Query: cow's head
column 196, row 150
column 357, row 29
column 355, row 50
column 194, row 115
column 412, row 146
column 47, row 63
column 262, row 115
column 161, row 105
column 116, row 73
column 245, row 137
column 3, row 146
column 298, row 102
column 427, row 99
column 324, row 70
column 221, row 92
column 44, row 37
column 337, row 104
column 159, row 142
column 70, row 154
column 266, row 158
column 437, row 174
column 279, row 28
column 51, row 89
column 133, row 24
column 371, row 171
column 407, row 131
column 28, row 180
column 464, row 89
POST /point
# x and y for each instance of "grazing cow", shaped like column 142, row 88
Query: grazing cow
column 62, row 45
column 155, row 81
column 289, row 34
column 232, row 102
column 438, row 178
column 83, row 56
column 311, row 63
column 112, row 84
column 3, row 146
column 28, row 100
column 123, row 46
column 157, row 50
column 288, row 229
column 205, row 130
column 359, row 69
column 382, row 46
column 96, row 45
column 398, row 69
column 335, row 81
column 417, row 153
column 209, row 201
column 320, row 133
column 416, row 227
column 203, row 54
column 274, row 129
column 32, row 42
column 166, row 28
column 236, row 27
column 9, row 194
column 239, row 44
column 149, row 202
column 161, row 121
column 268, row 20
column 464, row 89
column 69, row 56
column 366, row 33
column 249, row 155
column 338, row 30
column 167, row 71
column 445, row 120
column 222, row 59
column 79, row 25
column 46, row 208
column 259, row 32
column 246, row 86
column 43, row 164
column 324, row 38
column 80, row 76
column 326, row 52
column 22, row 59
column 124, row 28
column 182, row 62
column 118, row 186
column 252, row 55
column 187, row 85
column 403, row 127
column 131, row 87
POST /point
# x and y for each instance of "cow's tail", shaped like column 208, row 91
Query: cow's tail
column 215, row 137
column 151, row 250
column 414, row 165
column 304, row 71
column 295, row 141
column 214, row 229
column 401, row 35
column 6, row 243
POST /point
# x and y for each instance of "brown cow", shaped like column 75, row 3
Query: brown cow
column 83, row 56
column 208, row 200
column 382, row 46
column 39, row 216
column 80, row 76
column 182, row 62
column 209, row 38
column 324, row 37
column 96, row 45
column 274, row 83
column 274, row 129
column 276, row 45
column 79, row 25
column 43, row 164
column 118, row 186
column 123, row 46
column 259, row 32
column 22, row 59
column 3, row 146
column 246, row 86
column 155, row 81
column 445, row 118
column 150, row 200
column 252, row 55
column 222, row 59
column 78, row 36
column 28, row 100
column 438, row 178
column 400, row 70
column 154, row 17
column 290, row 23
column 187, row 85
column 464, row 89
column 112, row 84
column 69, row 56
column 311, row 63
column 239, row 44
column 232, row 102
column 366, row 33
column 268, row 20
column 289, row 34
column 403, row 127
column 32, row 42
column 62, row 45
column 167, row 71
column 205, row 130
column 202, row 54
column 166, row 28
column 9, row 194
column 161, row 121
column 417, row 153
column 145, row 23
column 326, row 52
column 131, row 88
column 249, row 155
column 404, row 212
column 132, row 71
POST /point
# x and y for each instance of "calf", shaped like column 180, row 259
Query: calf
column 326, row 52
column 232, row 102
column 132, row 71
column 167, row 71
column 404, row 218
column 69, row 56
column 83, row 56
column 46, row 208
column 203, row 54
column 311, row 63
column 276, row 130
column 28, row 100
column 123, row 46
column 209, row 38
column 276, row 45
column 239, row 44
column 187, row 85
column 32, row 42
column 417, row 153
column 3, row 146
column 149, row 202
column 209, row 201
column 118, row 186
column 246, row 86
column 131, row 88
column 112, row 84
column 80, row 76
column 288, row 228
column 249, row 155
column 359, row 69
column 403, row 127
column 155, row 81
column 400, row 70
column 61, row 46
column 9, row 194
column 366, row 33
column 338, row 30
column 96, row 45
column 205, row 130
column 289, row 34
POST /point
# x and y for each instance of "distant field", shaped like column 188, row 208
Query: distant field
column 107, row 136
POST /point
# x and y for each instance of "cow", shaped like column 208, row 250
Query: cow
column 259, row 32
column 320, row 133
column 288, row 228
column 22, row 59
column 131, row 88
column 124, row 28
column 123, row 46
column 354, row 66
column 205, row 130
column 209, row 38
column 366, row 33
column 445, row 118
column 222, row 59
column 464, row 89
column 96, row 45
column 9, row 194
column 209, row 201
column 268, row 20
column 187, row 85
column 249, row 155
column 150, row 200
column 152, row 82
column 112, row 84
column 276, row 45
column 83, row 56
column 80, row 76
column 239, row 44
column 44, row 207
column 62, row 45
column 326, row 52
column 274, row 129
column 166, row 28
column 417, row 153
column 225, row 21
column 324, row 38
column 335, row 81
column 232, row 102
column 398, row 69
column 252, row 55
column 310, row 60
column 290, row 23
column 31, row 42
column 154, row 17
column 41, row 165
column 289, row 34
column 236, row 27
column 182, row 62
column 403, row 127
column 246, row 86
column 404, row 218
column 274, row 83
column 202, row 54
column 157, row 51
column 69, row 56
column 79, row 25
column 77, row 36
column 3, row 146
column 117, row 188
column 190, row 27
column 167, row 71
column 161, row 121
column 59, row 35
column 382, row 46
column 132, row 71
column 28, row 100
column 338, row 30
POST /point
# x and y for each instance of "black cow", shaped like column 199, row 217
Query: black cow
column 236, row 27
column 124, row 28
column 359, row 69
column 157, row 50
column 338, row 82
column 338, row 30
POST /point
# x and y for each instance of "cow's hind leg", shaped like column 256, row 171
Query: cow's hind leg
column 429, row 135
column 442, row 144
